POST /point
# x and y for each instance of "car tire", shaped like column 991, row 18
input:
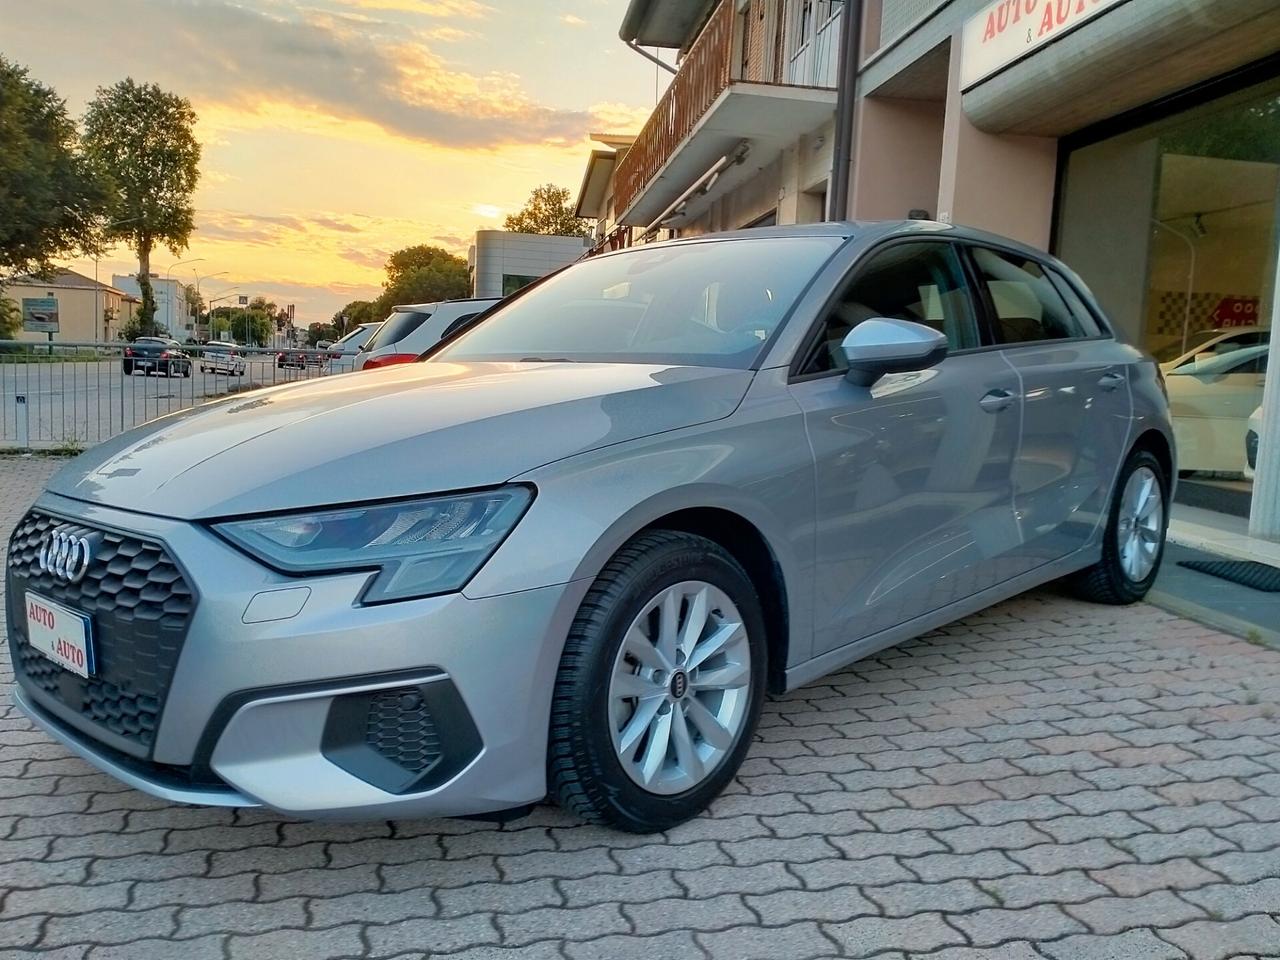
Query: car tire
column 599, row 766
column 127, row 367
column 1133, row 544
column 186, row 370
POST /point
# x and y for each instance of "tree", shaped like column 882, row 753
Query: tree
column 10, row 319
column 50, row 201
column 320, row 331
column 352, row 315
column 421, row 274
column 141, row 141
column 548, row 211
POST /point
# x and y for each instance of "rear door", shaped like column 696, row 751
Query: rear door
column 913, row 477
column 1076, row 408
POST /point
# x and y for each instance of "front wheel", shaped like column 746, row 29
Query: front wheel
column 660, row 685
column 127, row 367
column 1134, row 541
column 186, row 370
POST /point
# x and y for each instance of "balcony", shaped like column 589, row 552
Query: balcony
column 717, row 108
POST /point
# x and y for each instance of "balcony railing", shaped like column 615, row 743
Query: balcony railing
column 815, row 63
column 704, row 74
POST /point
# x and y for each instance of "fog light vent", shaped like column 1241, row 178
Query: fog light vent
column 401, row 728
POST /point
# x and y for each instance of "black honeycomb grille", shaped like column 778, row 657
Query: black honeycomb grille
column 140, row 605
column 400, row 727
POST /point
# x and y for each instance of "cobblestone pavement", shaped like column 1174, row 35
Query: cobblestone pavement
column 1046, row 779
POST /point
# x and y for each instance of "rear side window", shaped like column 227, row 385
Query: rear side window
column 1087, row 319
column 398, row 326
column 1026, row 306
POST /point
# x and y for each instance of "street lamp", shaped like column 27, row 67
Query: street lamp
column 168, row 278
column 225, row 295
column 199, row 280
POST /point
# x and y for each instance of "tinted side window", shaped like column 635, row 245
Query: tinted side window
column 1027, row 306
column 920, row 282
column 1079, row 309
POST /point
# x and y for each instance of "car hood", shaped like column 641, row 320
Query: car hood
column 402, row 431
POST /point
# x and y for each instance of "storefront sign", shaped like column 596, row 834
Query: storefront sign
column 40, row 314
column 1236, row 312
column 1007, row 30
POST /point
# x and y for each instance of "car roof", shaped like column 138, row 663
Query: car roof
column 433, row 305
column 861, row 229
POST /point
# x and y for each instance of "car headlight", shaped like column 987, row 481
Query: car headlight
column 420, row 547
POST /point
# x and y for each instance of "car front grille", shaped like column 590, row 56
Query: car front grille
column 140, row 605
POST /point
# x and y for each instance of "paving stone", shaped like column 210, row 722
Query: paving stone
column 825, row 874
column 64, row 899
column 794, row 906
column 1117, row 914
column 605, row 888
column 203, row 948
column 909, row 899
column 1103, row 826
column 1025, row 890
column 868, row 936
column 1155, row 847
column 233, row 917
column 757, row 943
column 715, row 880
column 713, row 913
column 934, row 818
column 1007, row 811
column 191, row 891
column 330, row 882
column 1246, row 867
column 907, row 843
column 1135, row 945
column 108, row 926
column 797, row 850
column 1177, row 819
column 1230, row 901
column 1135, row 879
column 988, row 927
column 936, row 867
column 1253, row 837
column 837, row 823
column 1009, row 836
column 1105, row 801
column 334, row 942
column 1054, row 857
column 678, row 945
column 1213, row 940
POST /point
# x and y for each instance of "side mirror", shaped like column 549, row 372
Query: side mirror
column 879, row 346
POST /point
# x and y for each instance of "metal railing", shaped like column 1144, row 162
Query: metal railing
column 69, row 395
column 815, row 62
column 704, row 74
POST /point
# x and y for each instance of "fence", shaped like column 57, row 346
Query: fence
column 67, row 395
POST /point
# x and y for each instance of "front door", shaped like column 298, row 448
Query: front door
column 913, row 476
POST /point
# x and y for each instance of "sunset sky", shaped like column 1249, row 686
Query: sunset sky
column 336, row 131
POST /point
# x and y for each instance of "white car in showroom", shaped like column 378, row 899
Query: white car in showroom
column 1204, row 344
column 1210, row 399
column 1251, row 439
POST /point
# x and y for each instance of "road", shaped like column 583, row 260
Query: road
column 80, row 403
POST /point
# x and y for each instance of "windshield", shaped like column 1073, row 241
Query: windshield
column 398, row 326
column 1244, row 360
column 704, row 304
column 353, row 340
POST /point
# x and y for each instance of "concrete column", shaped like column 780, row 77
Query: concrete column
column 1264, row 517
column 897, row 158
column 1002, row 183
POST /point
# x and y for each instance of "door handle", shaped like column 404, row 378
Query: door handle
column 1110, row 381
column 997, row 400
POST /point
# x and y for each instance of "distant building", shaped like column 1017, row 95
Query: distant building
column 87, row 309
column 502, row 262
column 171, row 302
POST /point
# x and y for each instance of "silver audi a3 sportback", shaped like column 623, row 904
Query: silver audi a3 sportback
column 570, row 551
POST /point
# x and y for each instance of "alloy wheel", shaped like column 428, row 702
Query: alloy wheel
column 1141, row 523
column 680, row 686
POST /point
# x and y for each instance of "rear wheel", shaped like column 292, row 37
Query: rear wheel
column 1134, row 542
column 127, row 366
column 186, row 370
column 660, row 685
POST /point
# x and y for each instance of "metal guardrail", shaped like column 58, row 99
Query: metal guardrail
column 71, row 394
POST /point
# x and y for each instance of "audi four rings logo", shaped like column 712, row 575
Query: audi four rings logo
column 65, row 554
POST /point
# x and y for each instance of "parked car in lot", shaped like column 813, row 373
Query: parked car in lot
column 1210, row 400
column 221, row 356
column 570, row 551
column 342, row 352
column 414, row 328
column 159, row 354
column 301, row 359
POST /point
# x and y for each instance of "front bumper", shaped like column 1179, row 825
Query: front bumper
column 284, row 710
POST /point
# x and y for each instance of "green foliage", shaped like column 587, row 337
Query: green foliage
column 141, row 142
column 320, row 331
column 49, row 197
column 10, row 319
column 352, row 315
column 252, row 325
column 548, row 211
column 1246, row 132
column 421, row 274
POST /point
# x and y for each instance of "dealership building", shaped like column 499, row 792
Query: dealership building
column 1137, row 139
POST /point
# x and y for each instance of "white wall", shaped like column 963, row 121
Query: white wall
column 171, row 304
column 500, row 252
